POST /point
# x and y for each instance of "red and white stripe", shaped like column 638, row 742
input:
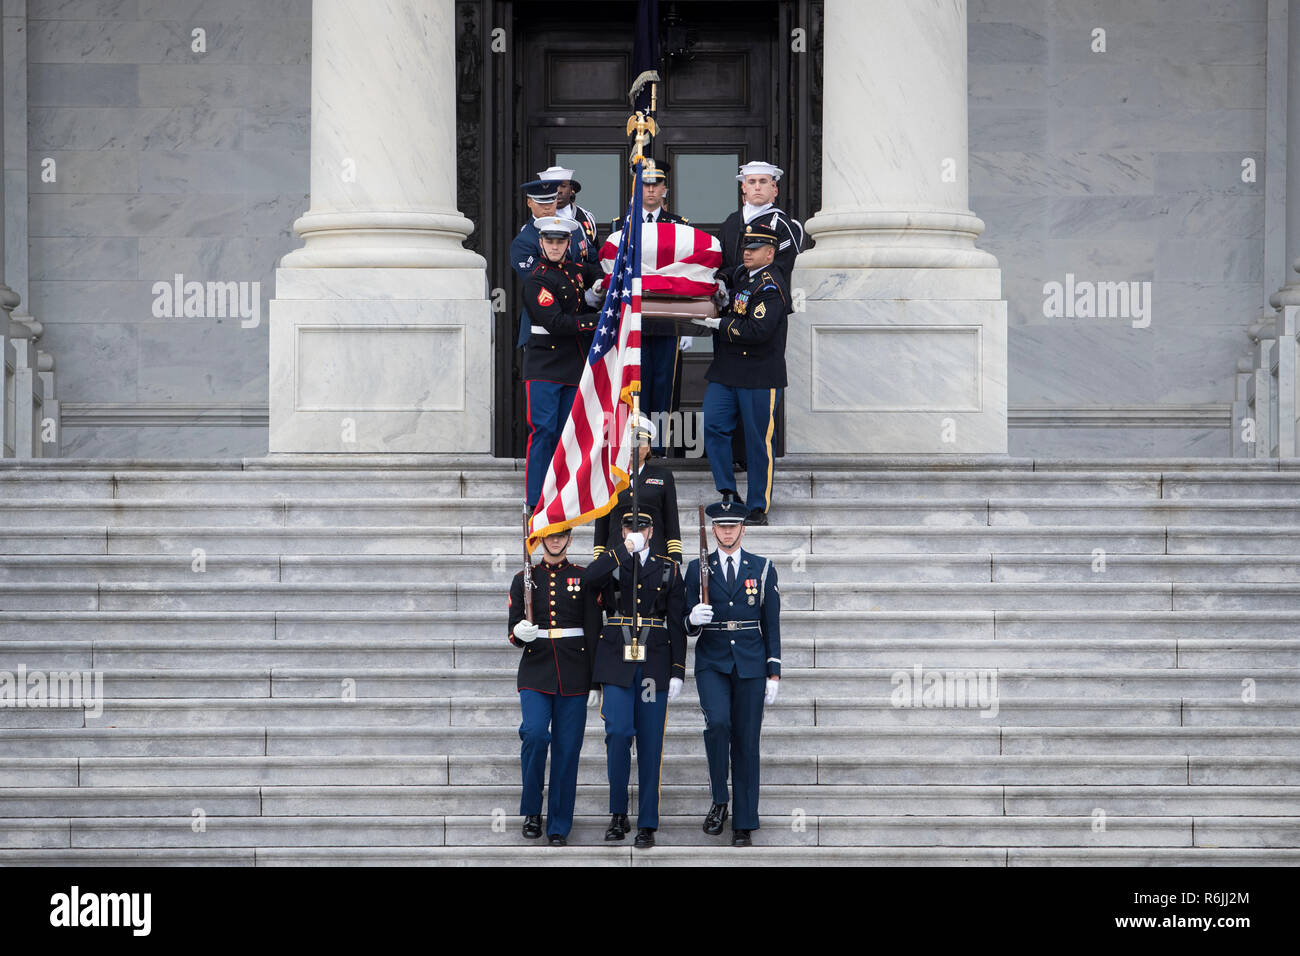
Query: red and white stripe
column 675, row 259
column 591, row 463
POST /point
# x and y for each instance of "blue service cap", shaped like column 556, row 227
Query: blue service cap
column 539, row 190
column 726, row 512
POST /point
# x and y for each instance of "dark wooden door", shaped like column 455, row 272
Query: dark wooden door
column 717, row 108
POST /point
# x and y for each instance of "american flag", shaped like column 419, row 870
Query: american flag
column 591, row 463
column 676, row 259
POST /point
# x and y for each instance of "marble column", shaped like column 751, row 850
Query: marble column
column 1287, row 299
column 380, row 331
column 901, row 347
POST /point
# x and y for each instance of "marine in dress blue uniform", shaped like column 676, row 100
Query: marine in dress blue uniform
column 747, row 375
column 635, row 694
column 558, row 294
column 660, row 343
column 566, row 207
column 526, row 247
column 554, row 683
column 737, row 665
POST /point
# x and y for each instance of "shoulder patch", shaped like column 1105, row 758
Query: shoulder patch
column 761, row 310
column 544, row 297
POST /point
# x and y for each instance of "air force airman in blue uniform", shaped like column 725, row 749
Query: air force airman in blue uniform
column 737, row 665
column 747, row 375
column 635, row 693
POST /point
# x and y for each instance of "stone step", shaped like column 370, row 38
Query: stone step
column 830, row 653
column 502, row 712
column 501, row 542
column 970, row 739
column 798, row 593
column 419, row 784
column 758, row 856
column 832, row 513
column 506, row 483
column 821, row 568
column 486, row 630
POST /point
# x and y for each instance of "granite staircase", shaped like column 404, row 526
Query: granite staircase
column 304, row 662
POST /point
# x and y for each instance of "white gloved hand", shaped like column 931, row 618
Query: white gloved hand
column 635, row 542
column 772, row 685
column 722, row 296
column 701, row 614
column 527, row 631
column 685, row 343
column 593, row 697
column 593, row 297
column 707, row 323
column 674, row 687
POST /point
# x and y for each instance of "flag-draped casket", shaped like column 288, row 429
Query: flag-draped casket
column 678, row 263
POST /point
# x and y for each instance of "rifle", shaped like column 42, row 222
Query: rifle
column 704, row 561
column 528, row 573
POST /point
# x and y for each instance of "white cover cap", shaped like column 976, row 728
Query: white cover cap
column 760, row 168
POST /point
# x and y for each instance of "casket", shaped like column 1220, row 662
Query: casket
column 678, row 263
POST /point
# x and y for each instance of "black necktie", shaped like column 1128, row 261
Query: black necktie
column 649, row 217
column 731, row 573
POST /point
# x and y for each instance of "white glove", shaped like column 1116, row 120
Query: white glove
column 708, row 323
column 594, row 297
column 593, row 697
column 635, row 542
column 772, row 685
column 674, row 687
column 685, row 343
column 701, row 614
column 527, row 631
column 722, row 296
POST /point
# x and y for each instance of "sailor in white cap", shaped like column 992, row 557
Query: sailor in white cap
column 566, row 206
column 758, row 185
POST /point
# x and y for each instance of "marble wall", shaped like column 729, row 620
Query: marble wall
column 173, row 153
column 1122, row 166
column 1115, row 166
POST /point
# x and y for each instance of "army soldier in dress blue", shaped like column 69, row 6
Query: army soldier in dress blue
column 658, row 498
column 737, row 665
column 566, row 207
column 554, row 683
column 758, row 185
column 660, row 344
column 561, row 301
column 635, row 692
column 747, row 374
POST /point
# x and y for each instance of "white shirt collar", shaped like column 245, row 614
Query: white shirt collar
column 651, row 212
column 752, row 212
column 566, row 212
column 723, row 557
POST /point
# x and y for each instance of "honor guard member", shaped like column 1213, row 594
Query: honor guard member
column 554, row 683
column 758, row 185
column 737, row 665
column 560, row 301
column 639, row 672
column 566, row 206
column 747, row 374
column 526, row 248
column 657, row 497
column 660, row 343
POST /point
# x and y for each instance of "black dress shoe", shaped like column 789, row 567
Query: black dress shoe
column 713, row 821
column 757, row 516
column 618, row 827
column 645, row 838
column 556, row 840
column 533, row 826
column 741, row 838
column 729, row 495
